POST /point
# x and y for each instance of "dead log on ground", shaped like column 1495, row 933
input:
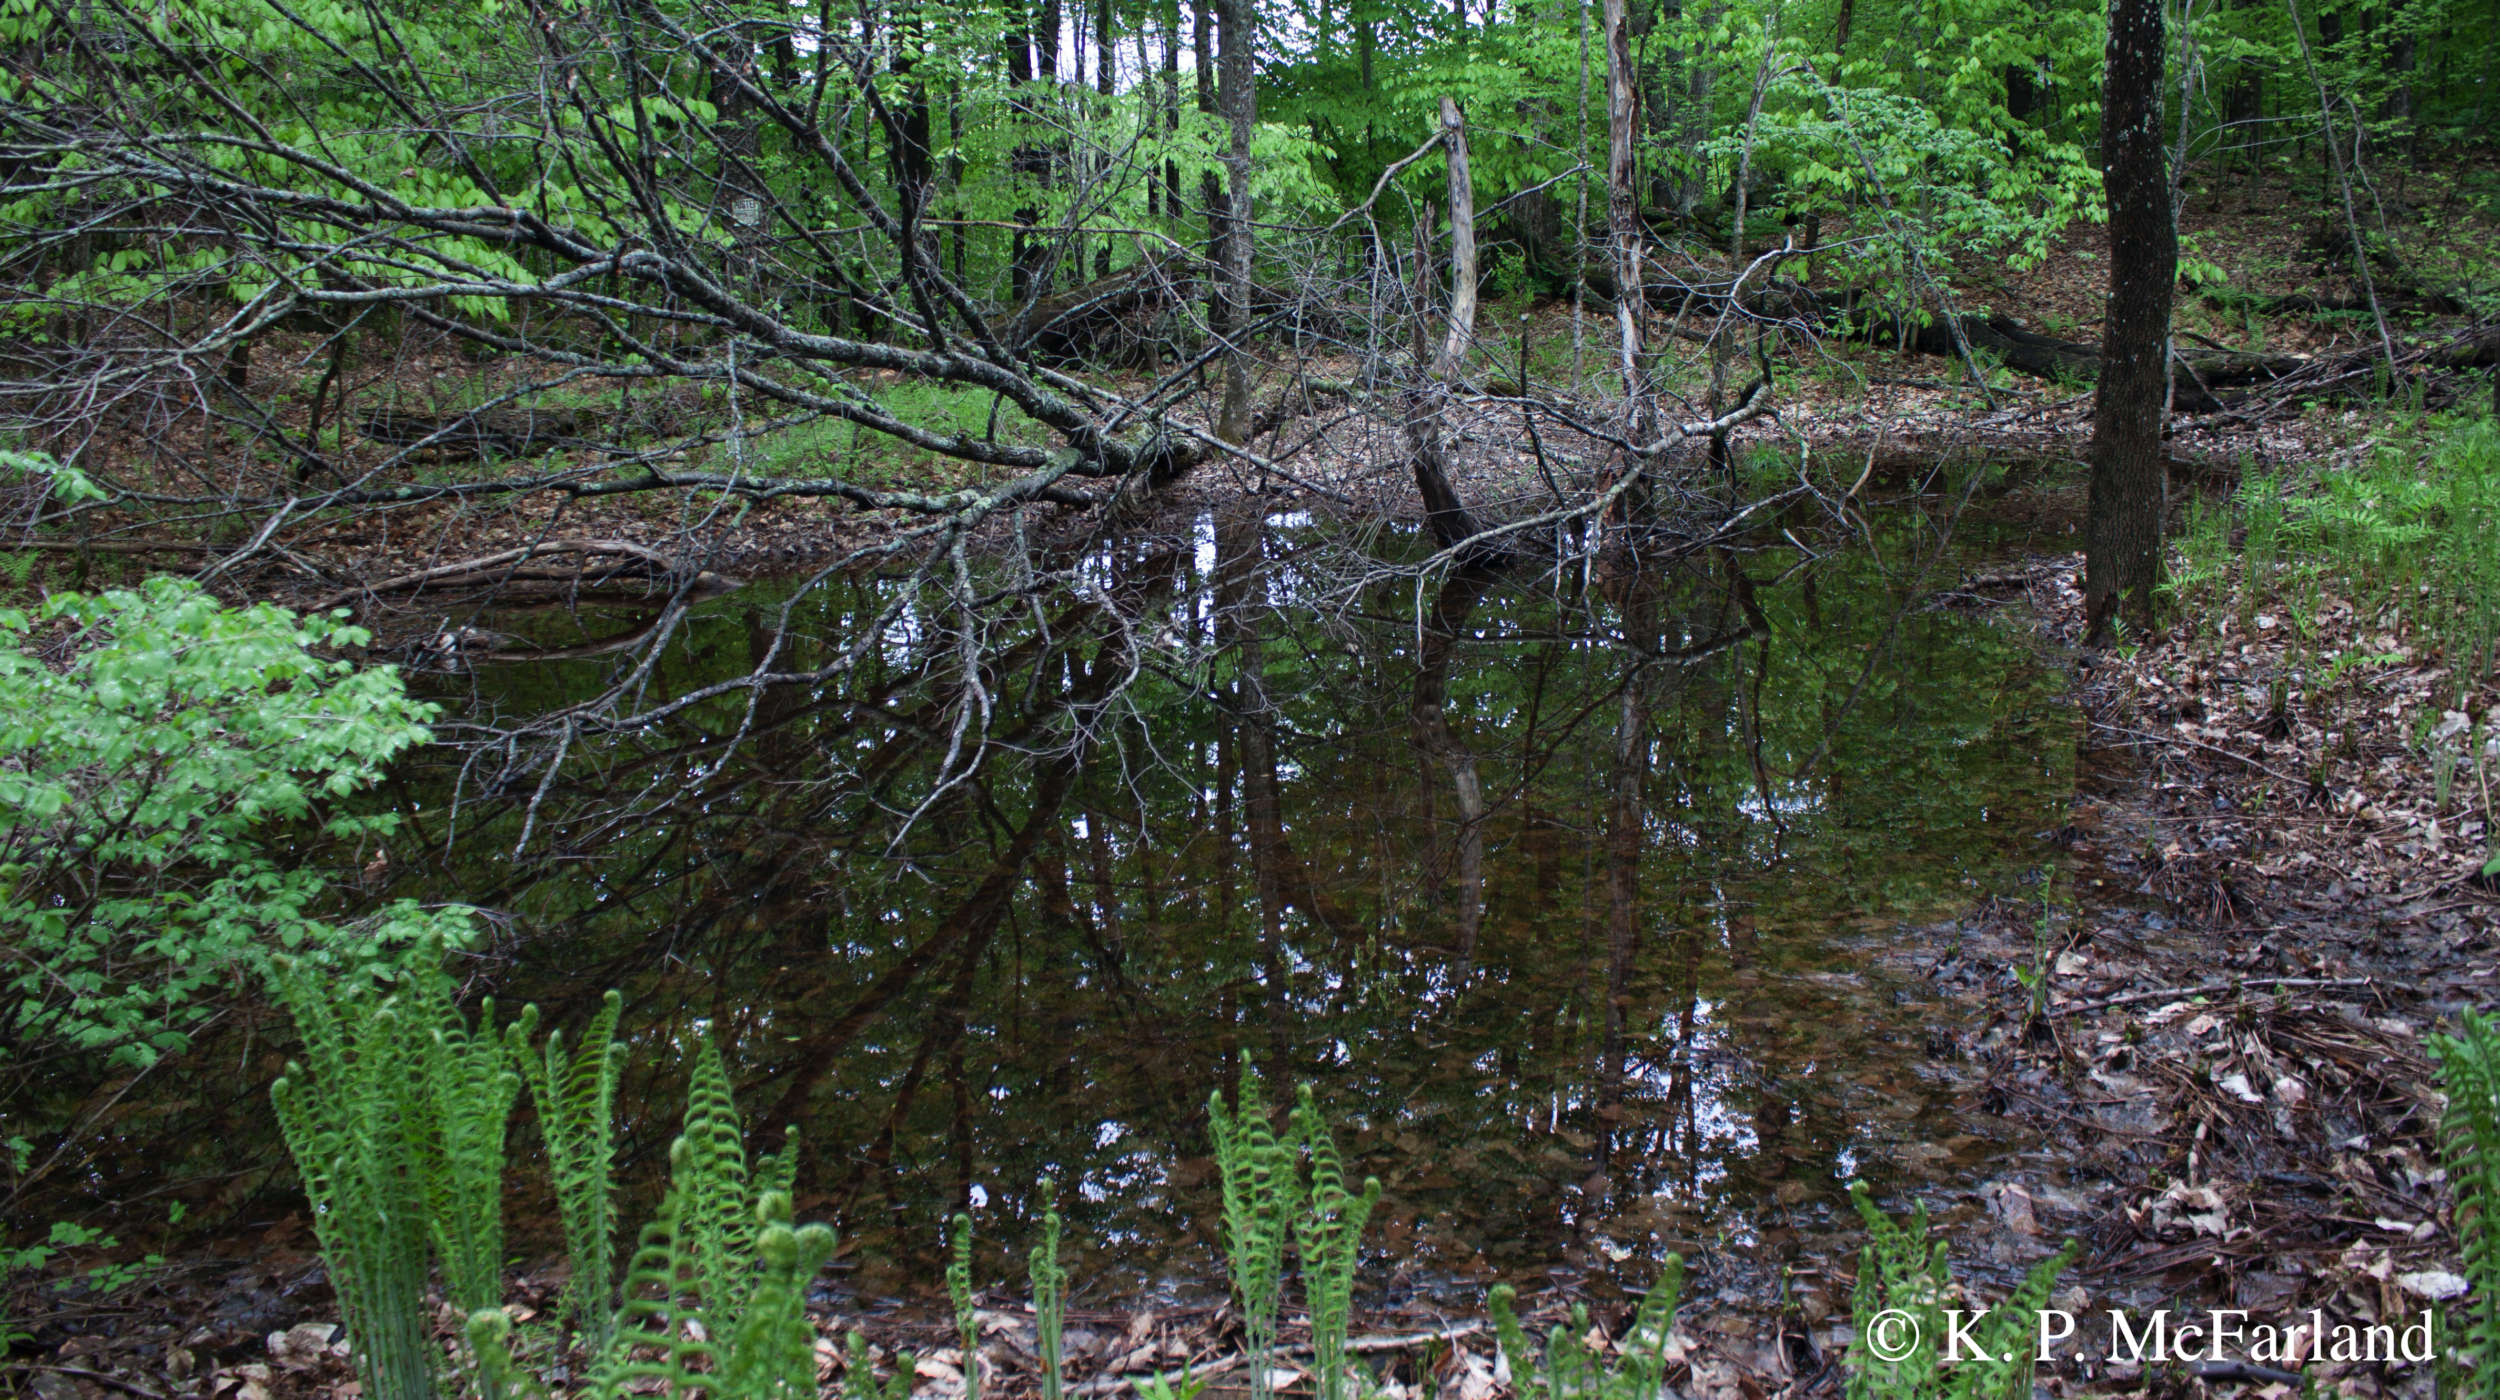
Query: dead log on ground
column 479, row 434
column 598, row 563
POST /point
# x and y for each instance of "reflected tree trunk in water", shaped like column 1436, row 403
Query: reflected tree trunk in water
column 945, row 1033
column 973, row 922
column 1239, row 552
column 1626, row 824
column 1426, row 708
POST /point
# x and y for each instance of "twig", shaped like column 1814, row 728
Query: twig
column 1365, row 1346
column 439, row 572
column 2198, row 744
column 2214, row 988
column 101, row 1377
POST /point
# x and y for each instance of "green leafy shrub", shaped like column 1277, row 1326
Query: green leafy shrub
column 149, row 739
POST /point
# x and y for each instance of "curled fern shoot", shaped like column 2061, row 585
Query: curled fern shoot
column 959, row 1292
column 1262, row 1197
column 1330, row 1236
column 1050, row 1295
column 575, row 1094
column 1568, row 1369
column 772, row 1354
column 859, row 1374
column 396, row 1123
column 1903, row 1268
column 2469, row 1141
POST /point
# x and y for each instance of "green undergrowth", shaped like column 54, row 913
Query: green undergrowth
column 396, row 1113
column 2405, row 537
column 2469, row 1140
column 408, row 1187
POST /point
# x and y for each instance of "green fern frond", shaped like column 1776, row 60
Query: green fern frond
column 1904, row 1269
column 776, row 1173
column 1330, row 1235
column 1262, row 1196
column 499, row 1377
column 2469, row 1139
column 576, row 1098
column 470, row 1090
column 710, row 1166
column 1569, row 1369
column 397, row 1128
column 859, row 1374
column 1050, row 1294
column 959, row 1292
column 662, row 1339
column 1512, row 1338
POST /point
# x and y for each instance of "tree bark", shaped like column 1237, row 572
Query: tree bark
column 2123, row 527
column 1427, row 434
column 1235, row 80
column 1623, row 226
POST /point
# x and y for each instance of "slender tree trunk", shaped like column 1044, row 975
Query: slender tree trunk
column 2123, row 530
column 1580, row 217
column 1427, row 406
column 1623, row 226
column 1172, row 108
column 1024, row 163
column 1237, row 80
column 1210, row 188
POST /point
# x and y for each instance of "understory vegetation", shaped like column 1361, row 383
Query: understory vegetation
column 405, row 1160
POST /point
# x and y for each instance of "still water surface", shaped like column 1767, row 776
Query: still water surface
column 1587, row 906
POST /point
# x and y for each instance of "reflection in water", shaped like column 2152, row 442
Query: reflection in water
column 1572, row 903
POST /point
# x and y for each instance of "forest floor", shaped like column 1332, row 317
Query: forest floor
column 2269, row 908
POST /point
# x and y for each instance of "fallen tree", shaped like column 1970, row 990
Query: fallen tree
column 2200, row 377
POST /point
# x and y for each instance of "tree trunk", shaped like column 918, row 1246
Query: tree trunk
column 1210, row 188
column 1623, row 226
column 1235, row 82
column 1427, row 433
column 2123, row 529
column 1105, row 70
